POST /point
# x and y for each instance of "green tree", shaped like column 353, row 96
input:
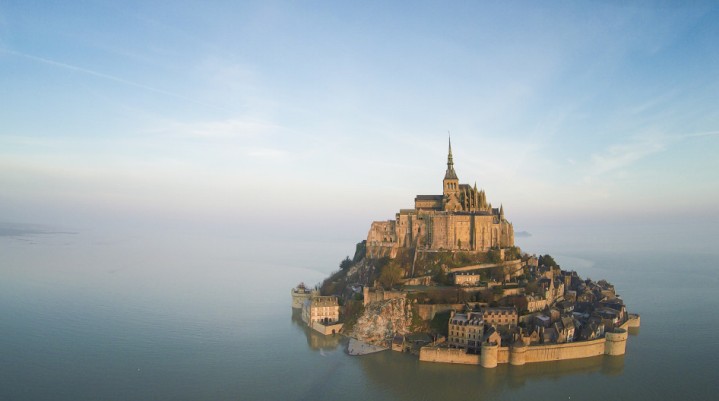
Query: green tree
column 498, row 273
column 390, row 275
column 494, row 256
column 513, row 253
column 346, row 263
column 442, row 278
column 360, row 251
column 547, row 261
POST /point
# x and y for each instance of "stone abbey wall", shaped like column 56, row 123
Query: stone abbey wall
column 460, row 219
column 438, row 230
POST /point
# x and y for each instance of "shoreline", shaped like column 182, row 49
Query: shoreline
column 357, row 347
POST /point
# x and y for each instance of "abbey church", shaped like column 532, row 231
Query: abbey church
column 460, row 220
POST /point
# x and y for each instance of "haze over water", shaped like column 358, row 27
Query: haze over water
column 186, row 315
column 189, row 162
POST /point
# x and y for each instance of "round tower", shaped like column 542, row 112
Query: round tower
column 488, row 356
column 518, row 354
column 616, row 342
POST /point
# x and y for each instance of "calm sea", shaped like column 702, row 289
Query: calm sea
column 171, row 316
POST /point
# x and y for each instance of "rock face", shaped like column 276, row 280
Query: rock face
column 381, row 320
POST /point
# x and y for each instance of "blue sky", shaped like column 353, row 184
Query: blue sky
column 333, row 114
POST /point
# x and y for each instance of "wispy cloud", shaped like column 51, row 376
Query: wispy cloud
column 625, row 154
column 233, row 128
column 621, row 155
column 250, row 137
column 701, row 134
column 109, row 77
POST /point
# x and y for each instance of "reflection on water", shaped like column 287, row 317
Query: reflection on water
column 315, row 340
column 403, row 376
column 409, row 378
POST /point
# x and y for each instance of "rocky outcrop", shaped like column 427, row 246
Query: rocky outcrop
column 382, row 320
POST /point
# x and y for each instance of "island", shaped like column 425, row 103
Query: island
column 445, row 281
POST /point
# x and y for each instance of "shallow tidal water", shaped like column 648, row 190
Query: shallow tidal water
column 107, row 316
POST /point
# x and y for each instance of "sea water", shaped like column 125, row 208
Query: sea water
column 92, row 315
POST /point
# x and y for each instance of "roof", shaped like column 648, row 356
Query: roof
column 429, row 197
column 329, row 300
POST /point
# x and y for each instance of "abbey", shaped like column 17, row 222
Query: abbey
column 460, row 219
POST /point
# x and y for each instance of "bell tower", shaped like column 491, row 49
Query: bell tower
column 450, row 185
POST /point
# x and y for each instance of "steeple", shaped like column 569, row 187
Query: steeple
column 452, row 200
column 450, row 174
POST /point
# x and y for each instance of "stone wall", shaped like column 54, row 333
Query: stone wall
column 423, row 280
column 427, row 312
column 378, row 295
column 327, row 329
column 492, row 354
column 447, row 355
column 558, row 352
column 512, row 264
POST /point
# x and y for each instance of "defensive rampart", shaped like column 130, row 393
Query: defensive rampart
column 447, row 355
column 614, row 343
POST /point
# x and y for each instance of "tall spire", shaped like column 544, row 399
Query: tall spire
column 450, row 174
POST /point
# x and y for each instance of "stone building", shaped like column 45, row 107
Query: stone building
column 465, row 331
column 460, row 220
column 320, row 309
column 299, row 295
column 528, row 303
column 500, row 316
column 467, row 279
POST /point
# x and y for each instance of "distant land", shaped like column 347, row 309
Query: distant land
column 523, row 234
column 445, row 281
column 21, row 229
